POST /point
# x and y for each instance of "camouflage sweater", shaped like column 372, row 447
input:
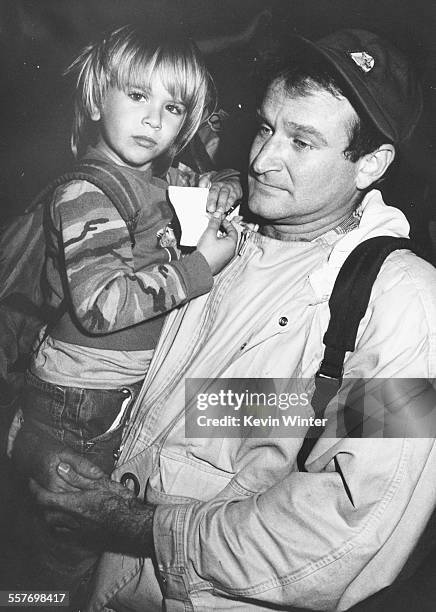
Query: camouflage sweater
column 110, row 285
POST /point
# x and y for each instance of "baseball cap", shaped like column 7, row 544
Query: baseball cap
column 376, row 76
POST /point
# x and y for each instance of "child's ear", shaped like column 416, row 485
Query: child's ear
column 95, row 114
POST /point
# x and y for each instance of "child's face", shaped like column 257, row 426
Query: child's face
column 138, row 125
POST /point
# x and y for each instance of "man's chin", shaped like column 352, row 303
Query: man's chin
column 258, row 206
column 256, row 201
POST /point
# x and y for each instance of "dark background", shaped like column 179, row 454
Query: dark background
column 38, row 38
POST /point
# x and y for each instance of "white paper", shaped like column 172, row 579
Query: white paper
column 190, row 207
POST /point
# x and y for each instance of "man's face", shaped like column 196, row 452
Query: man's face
column 299, row 175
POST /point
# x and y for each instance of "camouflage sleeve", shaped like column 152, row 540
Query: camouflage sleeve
column 183, row 176
column 107, row 288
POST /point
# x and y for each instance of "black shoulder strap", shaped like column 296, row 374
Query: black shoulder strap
column 348, row 303
column 110, row 180
column 117, row 188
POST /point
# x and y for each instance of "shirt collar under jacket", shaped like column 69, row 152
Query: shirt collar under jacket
column 370, row 216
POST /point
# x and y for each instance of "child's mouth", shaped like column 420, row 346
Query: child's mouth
column 144, row 141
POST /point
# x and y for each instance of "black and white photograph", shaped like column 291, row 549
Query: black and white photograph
column 218, row 305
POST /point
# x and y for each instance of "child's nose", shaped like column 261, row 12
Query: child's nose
column 152, row 116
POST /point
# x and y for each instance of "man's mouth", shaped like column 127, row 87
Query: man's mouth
column 264, row 186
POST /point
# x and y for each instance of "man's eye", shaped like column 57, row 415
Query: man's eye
column 302, row 145
column 264, row 130
column 175, row 109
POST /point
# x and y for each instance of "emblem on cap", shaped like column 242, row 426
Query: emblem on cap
column 363, row 60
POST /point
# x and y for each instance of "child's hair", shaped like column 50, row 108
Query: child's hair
column 128, row 58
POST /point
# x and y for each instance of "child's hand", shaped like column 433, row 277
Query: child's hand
column 218, row 250
column 223, row 193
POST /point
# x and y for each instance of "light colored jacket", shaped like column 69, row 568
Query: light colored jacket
column 237, row 526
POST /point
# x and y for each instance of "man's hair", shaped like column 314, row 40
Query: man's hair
column 127, row 58
column 302, row 75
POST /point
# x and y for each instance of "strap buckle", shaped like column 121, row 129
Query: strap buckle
column 326, row 387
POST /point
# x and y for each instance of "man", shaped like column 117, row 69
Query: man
column 231, row 523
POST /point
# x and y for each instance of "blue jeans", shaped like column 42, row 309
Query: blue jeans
column 82, row 420
column 79, row 419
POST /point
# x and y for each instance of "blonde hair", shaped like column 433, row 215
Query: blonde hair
column 127, row 58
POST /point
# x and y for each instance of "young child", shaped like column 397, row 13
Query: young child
column 138, row 103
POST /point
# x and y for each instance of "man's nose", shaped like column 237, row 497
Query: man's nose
column 266, row 156
column 152, row 116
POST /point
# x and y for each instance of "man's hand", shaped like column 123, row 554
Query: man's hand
column 223, row 193
column 218, row 250
column 106, row 513
column 39, row 458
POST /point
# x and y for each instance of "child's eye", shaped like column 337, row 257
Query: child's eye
column 137, row 96
column 175, row 109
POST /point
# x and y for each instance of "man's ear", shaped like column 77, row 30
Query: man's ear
column 371, row 167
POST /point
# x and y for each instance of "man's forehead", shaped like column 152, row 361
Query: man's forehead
column 316, row 107
column 275, row 92
column 278, row 93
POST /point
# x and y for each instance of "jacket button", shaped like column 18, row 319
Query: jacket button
column 243, row 346
column 283, row 321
